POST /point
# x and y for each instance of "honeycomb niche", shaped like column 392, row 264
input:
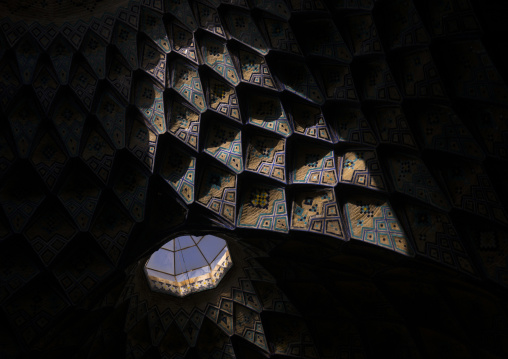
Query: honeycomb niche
column 188, row 264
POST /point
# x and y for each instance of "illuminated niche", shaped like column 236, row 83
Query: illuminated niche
column 188, row 264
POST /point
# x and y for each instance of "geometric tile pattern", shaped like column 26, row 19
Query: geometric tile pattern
column 471, row 190
column 442, row 130
column 61, row 54
column 297, row 79
column 125, row 40
column 79, row 147
column 27, row 55
column 185, row 80
column 361, row 168
column 46, row 85
column 222, row 99
column 153, row 62
column 84, row 83
column 419, row 76
column 143, row 144
column 225, row 144
column 248, row 325
column 266, row 155
column 179, row 171
column 130, row 15
column 183, row 42
column 263, row 207
column 49, row 234
column 338, row 83
column 105, row 26
column 120, row 76
column 268, row 113
column 393, row 127
column 152, row 25
column 314, row 165
column 378, row 83
column 182, row 11
column 217, row 57
column 217, row 192
column 406, row 27
column 281, row 36
column 242, row 28
column 410, row 176
column 317, row 211
column 111, row 115
column 254, row 70
column 436, row 238
column 236, row 311
column 83, row 79
column 184, row 124
column 99, row 155
column 150, row 102
column 104, row 29
column 222, row 315
column 43, row 37
column 373, row 221
column 449, row 18
column 209, row 19
column 364, row 35
column 350, row 125
column 309, row 121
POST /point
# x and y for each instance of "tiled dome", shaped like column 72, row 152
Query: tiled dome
column 352, row 153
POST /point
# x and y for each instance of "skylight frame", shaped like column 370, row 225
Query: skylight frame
column 192, row 279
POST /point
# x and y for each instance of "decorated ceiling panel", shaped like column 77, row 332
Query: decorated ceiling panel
column 301, row 128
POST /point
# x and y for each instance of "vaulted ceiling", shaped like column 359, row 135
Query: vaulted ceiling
column 353, row 154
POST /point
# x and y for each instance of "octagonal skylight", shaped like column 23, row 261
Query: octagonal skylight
column 188, row 264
